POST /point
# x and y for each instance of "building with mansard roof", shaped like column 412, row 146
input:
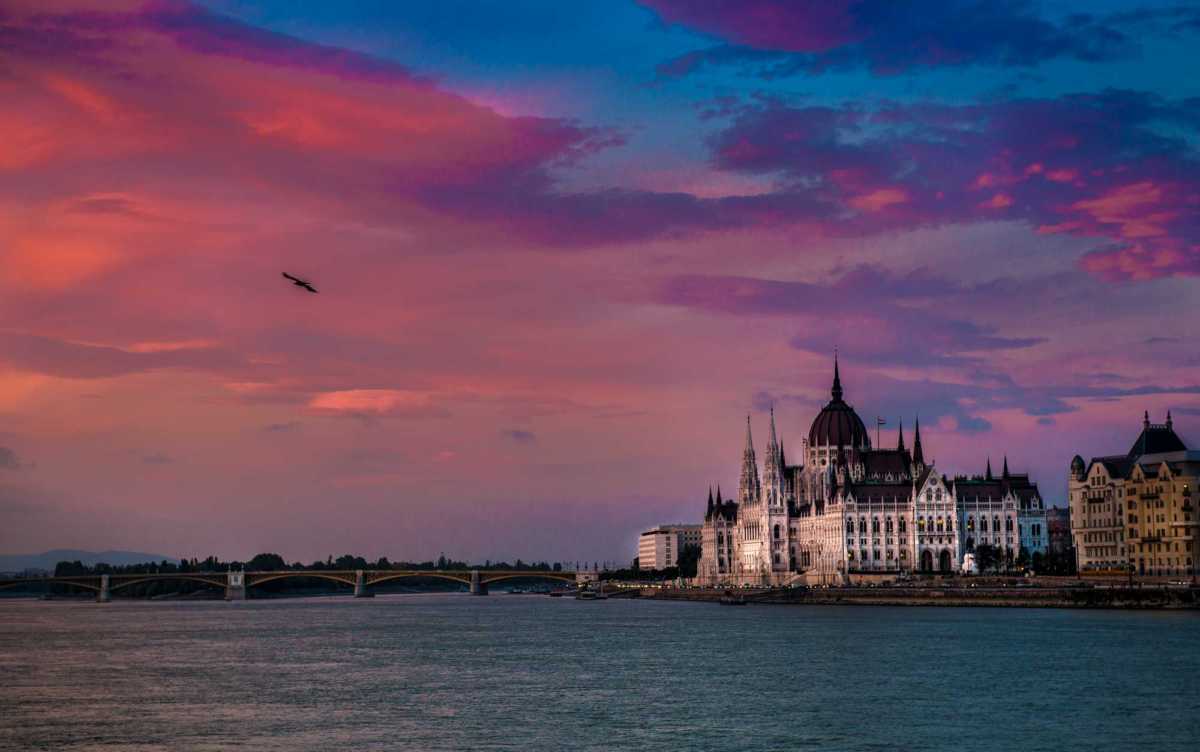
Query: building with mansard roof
column 845, row 508
column 1135, row 512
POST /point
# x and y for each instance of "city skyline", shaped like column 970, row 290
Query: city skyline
column 561, row 254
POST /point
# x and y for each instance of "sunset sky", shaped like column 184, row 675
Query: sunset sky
column 563, row 248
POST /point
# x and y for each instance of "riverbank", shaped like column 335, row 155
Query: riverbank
column 1120, row 597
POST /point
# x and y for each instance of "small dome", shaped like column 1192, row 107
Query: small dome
column 837, row 424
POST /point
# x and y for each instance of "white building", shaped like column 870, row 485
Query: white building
column 658, row 548
column 851, row 509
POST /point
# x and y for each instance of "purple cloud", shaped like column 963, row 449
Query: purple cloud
column 888, row 37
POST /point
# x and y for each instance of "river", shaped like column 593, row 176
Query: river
column 510, row 672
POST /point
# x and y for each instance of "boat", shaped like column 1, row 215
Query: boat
column 556, row 594
column 585, row 595
column 729, row 599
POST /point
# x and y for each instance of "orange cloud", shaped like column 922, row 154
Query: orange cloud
column 879, row 199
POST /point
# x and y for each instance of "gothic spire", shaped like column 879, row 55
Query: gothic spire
column 1004, row 472
column 748, row 485
column 988, row 475
column 900, row 444
column 837, row 380
column 718, row 493
column 1168, row 419
column 918, row 455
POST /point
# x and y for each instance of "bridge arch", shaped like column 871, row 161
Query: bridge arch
column 557, row 576
column 210, row 581
column 252, row 581
column 462, row 580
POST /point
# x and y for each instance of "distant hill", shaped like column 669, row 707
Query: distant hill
column 48, row 559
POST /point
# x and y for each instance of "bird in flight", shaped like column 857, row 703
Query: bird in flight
column 300, row 283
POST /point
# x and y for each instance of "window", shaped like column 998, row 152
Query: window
column 970, row 524
column 849, row 526
column 777, row 538
column 875, row 525
column 983, row 524
column 903, row 526
column 862, row 525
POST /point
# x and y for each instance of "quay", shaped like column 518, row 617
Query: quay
column 1075, row 595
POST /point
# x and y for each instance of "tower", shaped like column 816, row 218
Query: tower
column 749, row 490
column 918, row 456
column 772, row 480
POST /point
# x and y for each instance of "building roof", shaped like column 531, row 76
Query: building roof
column 880, row 462
column 837, row 424
column 1156, row 439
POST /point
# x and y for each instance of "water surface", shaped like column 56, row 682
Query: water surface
column 453, row 672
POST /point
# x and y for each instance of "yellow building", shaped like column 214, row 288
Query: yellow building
column 1134, row 512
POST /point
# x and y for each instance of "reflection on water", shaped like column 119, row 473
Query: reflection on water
column 452, row 672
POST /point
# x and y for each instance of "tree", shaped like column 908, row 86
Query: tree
column 986, row 557
column 1023, row 559
column 266, row 563
column 689, row 557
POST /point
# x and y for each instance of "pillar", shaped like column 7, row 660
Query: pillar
column 477, row 587
column 360, row 585
column 102, row 596
column 235, row 587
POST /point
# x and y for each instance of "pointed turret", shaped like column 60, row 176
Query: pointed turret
column 1146, row 419
column 772, row 479
column 988, row 474
column 1168, row 419
column 918, row 455
column 836, row 392
column 900, row 443
column 1004, row 472
column 719, row 501
column 748, row 486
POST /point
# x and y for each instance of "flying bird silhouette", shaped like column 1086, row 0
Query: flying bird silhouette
column 299, row 282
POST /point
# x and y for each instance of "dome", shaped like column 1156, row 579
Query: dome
column 837, row 424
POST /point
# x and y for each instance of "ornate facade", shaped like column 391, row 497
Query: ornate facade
column 847, row 508
column 1136, row 511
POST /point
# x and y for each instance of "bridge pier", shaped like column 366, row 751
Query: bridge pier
column 102, row 595
column 235, row 586
column 360, row 585
column 477, row 587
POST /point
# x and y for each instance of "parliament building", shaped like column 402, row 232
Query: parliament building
column 849, row 508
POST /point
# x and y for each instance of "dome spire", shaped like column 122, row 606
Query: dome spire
column 837, row 380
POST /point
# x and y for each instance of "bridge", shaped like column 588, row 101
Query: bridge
column 237, row 583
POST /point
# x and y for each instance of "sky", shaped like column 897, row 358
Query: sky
column 563, row 249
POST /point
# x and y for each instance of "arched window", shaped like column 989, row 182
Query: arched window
column 849, row 526
column 940, row 524
column 995, row 524
column 903, row 525
column 777, row 538
column 862, row 525
column 1008, row 524
column 875, row 525
column 970, row 524
column 983, row 524
column 920, row 524
column 889, row 525
column 949, row 524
